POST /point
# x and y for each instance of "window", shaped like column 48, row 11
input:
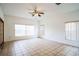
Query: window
column 22, row 30
column 72, row 31
column 19, row 30
column 41, row 30
column 30, row 30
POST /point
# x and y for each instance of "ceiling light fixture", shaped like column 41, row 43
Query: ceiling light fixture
column 36, row 12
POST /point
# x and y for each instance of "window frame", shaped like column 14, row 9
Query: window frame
column 76, row 30
column 20, row 35
column 25, row 30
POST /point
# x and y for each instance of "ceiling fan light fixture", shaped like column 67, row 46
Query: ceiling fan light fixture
column 36, row 12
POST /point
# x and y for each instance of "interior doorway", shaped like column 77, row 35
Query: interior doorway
column 1, row 32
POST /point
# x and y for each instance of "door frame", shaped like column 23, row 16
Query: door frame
column 1, row 45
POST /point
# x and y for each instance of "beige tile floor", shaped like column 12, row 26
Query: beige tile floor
column 37, row 47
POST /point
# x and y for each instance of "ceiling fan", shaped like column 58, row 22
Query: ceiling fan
column 58, row 3
column 36, row 12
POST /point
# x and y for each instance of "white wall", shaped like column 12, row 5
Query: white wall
column 1, row 13
column 9, row 25
column 53, row 21
column 55, row 27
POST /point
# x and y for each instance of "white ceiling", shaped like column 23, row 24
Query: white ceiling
column 21, row 9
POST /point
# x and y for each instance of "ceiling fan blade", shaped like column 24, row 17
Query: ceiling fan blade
column 39, row 15
column 32, row 13
column 41, row 12
column 35, row 9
